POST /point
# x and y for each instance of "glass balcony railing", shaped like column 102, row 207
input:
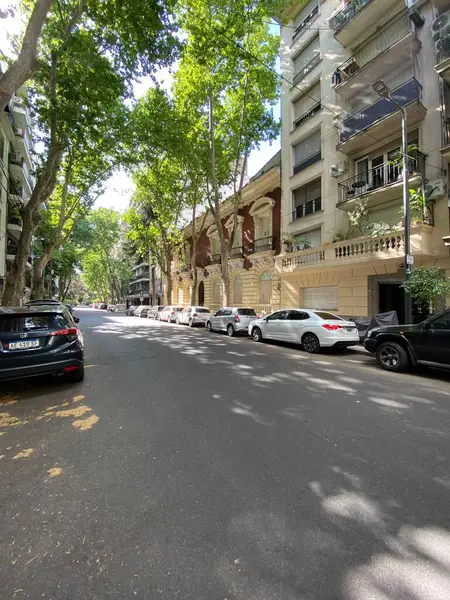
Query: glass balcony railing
column 404, row 94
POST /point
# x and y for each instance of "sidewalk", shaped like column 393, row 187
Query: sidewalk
column 359, row 349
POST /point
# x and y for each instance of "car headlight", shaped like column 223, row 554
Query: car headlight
column 369, row 333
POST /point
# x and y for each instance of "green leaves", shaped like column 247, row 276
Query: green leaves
column 427, row 284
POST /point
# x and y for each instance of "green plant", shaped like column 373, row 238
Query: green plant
column 375, row 229
column 358, row 216
column 340, row 235
column 426, row 284
column 301, row 242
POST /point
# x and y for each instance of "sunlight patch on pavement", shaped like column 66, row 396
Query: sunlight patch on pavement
column 7, row 420
column 388, row 402
column 24, row 453
column 73, row 412
column 84, row 424
column 78, row 398
column 6, row 399
column 54, row 472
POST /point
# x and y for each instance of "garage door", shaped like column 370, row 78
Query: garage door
column 324, row 298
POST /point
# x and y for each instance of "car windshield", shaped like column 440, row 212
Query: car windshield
column 14, row 323
column 247, row 312
column 328, row 316
column 177, row 308
column 202, row 310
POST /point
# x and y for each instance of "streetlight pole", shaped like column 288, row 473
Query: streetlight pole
column 384, row 92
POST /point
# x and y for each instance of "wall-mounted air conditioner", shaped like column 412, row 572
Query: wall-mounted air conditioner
column 435, row 189
column 339, row 169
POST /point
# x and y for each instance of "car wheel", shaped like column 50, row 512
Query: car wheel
column 310, row 343
column 257, row 334
column 230, row 330
column 209, row 326
column 75, row 376
column 392, row 357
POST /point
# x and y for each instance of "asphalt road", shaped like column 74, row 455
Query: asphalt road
column 190, row 465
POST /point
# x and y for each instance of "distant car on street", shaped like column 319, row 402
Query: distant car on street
column 193, row 315
column 111, row 308
column 155, row 312
column 312, row 329
column 130, row 310
column 397, row 347
column 141, row 311
column 169, row 313
column 119, row 308
column 233, row 320
column 40, row 340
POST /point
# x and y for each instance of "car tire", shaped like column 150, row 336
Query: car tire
column 257, row 334
column 75, row 376
column 392, row 357
column 310, row 343
column 209, row 326
column 230, row 330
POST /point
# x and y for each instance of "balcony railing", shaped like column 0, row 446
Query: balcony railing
column 307, row 115
column 346, row 14
column 306, row 69
column 216, row 259
column 443, row 54
column 378, row 177
column 263, row 244
column 141, row 276
column 387, row 38
column 304, row 164
column 237, row 252
column 404, row 94
column 305, row 23
column 308, row 208
column 303, row 257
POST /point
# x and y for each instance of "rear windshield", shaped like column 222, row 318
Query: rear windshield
column 199, row 309
column 328, row 316
column 11, row 323
column 249, row 312
column 177, row 308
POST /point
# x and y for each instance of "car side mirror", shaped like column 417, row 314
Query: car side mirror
column 76, row 319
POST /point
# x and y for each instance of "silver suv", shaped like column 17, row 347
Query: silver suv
column 232, row 320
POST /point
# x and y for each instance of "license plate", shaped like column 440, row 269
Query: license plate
column 350, row 329
column 23, row 345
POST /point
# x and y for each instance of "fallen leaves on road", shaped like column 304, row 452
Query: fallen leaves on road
column 7, row 420
column 73, row 412
column 78, row 398
column 54, row 472
column 83, row 424
column 8, row 399
column 57, row 406
column 24, row 454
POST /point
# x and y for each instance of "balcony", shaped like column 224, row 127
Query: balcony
column 443, row 66
column 11, row 251
column 392, row 47
column 445, row 150
column 16, row 194
column 381, row 184
column 142, row 276
column 304, row 164
column 20, row 113
column 14, row 227
column 24, row 146
column 360, row 17
column 216, row 259
column 298, row 77
column 306, row 209
column 264, row 244
column 19, row 170
column 305, row 24
column 237, row 252
column 358, row 250
column 382, row 118
column 307, row 115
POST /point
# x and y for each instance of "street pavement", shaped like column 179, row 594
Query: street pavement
column 196, row 466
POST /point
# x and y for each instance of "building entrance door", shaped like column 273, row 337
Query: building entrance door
column 392, row 297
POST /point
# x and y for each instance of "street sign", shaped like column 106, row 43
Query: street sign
column 410, row 260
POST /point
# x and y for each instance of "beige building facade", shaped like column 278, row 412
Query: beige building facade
column 341, row 152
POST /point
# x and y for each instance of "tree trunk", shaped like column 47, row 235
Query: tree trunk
column 27, row 63
column 39, row 265
column 194, row 287
column 225, row 275
column 154, row 293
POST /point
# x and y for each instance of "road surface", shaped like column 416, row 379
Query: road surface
column 190, row 465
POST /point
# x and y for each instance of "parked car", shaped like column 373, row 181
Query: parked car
column 40, row 340
column 169, row 313
column 141, row 311
column 131, row 310
column 232, row 320
column 193, row 315
column 103, row 306
column 119, row 308
column 397, row 347
column 312, row 329
column 51, row 302
column 155, row 312
column 111, row 308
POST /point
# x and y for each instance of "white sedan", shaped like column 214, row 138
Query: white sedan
column 193, row 315
column 313, row 329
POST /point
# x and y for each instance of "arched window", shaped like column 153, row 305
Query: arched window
column 265, row 288
column 237, row 290
column 216, row 292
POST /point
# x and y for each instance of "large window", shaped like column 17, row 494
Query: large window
column 237, row 290
column 307, row 152
column 306, row 60
column 307, row 199
column 307, row 105
column 304, row 18
column 261, row 212
column 265, row 288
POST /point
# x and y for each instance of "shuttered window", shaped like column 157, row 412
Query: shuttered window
column 306, row 56
column 307, row 148
column 320, row 298
column 301, row 16
column 307, row 101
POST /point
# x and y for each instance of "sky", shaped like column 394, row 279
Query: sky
column 119, row 188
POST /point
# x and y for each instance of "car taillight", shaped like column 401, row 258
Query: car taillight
column 331, row 327
column 71, row 332
column 237, row 319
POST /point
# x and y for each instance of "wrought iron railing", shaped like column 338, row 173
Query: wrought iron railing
column 307, row 114
column 306, row 69
column 307, row 162
column 308, row 208
column 404, row 94
column 305, row 23
column 379, row 177
column 263, row 244
column 216, row 259
column 237, row 252
column 346, row 14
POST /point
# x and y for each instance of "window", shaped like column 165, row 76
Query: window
column 237, row 290
column 216, row 291
column 307, row 199
column 227, row 312
column 246, row 312
column 320, row 298
column 296, row 315
column 306, row 60
column 199, row 309
column 281, row 315
column 442, row 322
column 219, row 313
column 265, row 288
column 215, row 244
column 11, row 323
column 305, row 103
column 329, row 316
column 304, row 18
column 307, row 152
column 263, row 226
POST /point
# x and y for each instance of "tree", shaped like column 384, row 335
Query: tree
column 225, row 86
column 425, row 285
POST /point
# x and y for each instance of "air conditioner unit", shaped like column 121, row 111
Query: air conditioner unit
column 339, row 169
column 435, row 189
column 443, row 45
column 440, row 26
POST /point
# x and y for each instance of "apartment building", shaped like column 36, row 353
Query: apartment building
column 341, row 151
column 140, row 286
column 253, row 279
column 16, row 179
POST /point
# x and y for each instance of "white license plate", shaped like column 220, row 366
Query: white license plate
column 350, row 329
column 23, row 345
